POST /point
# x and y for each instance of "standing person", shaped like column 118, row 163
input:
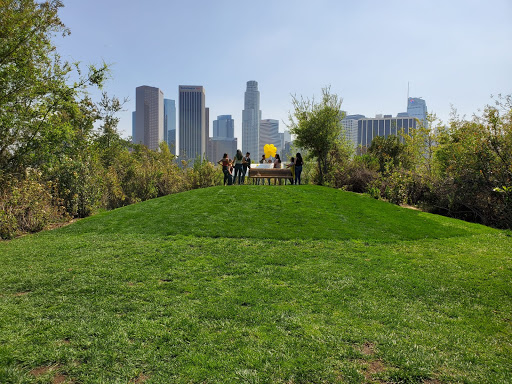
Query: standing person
column 292, row 168
column 238, row 163
column 298, row 168
column 226, row 163
column 277, row 164
column 262, row 161
column 246, row 164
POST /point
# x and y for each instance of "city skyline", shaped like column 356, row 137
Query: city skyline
column 452, row 53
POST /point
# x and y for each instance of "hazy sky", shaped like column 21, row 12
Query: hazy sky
column 452, row 52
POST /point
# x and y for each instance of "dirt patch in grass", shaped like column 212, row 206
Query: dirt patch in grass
column 58, row 378
column 139, row 379
column 19, row 294
column 40, row 371
column 371, row 369
column 375, row 366
column 367, row 349
column 410, row 207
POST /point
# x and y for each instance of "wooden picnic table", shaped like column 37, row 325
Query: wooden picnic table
column 270, row 173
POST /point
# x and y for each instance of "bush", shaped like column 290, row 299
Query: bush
column 203, row 174
column 27, row 204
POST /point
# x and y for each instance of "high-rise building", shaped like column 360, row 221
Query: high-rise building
column 417, row 108
column 192, row 121
column 224, row 126
column 218, row 146
column 269, row 134
column 149, row 116
column 349, row 124
column 251, row 116
column 133, row 124
column 286, row 141
column 170, row 124
column 206, row 128
column 382, row 126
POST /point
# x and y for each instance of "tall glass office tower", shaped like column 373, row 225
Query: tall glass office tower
column 149, row 116
column 170, row 124
column 251, row 116
column 417, row 108
column 192, row 124
column 224, row 126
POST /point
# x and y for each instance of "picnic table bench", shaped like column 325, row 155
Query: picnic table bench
column 270, row 173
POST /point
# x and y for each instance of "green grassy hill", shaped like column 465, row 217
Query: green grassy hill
column 258, row 284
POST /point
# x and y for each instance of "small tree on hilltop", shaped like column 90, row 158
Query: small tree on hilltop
column 317, row 127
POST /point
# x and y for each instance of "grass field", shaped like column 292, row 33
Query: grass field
column 258, row 284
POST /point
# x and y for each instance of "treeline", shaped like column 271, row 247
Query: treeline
column 93, row 178
column 462, row 170
column 60, row 153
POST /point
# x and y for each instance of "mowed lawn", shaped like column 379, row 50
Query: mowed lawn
column 258, row 284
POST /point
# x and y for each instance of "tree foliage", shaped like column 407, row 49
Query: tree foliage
column 40, row 108
column 317, row 127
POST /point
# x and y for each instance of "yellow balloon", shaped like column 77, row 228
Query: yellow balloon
column 270, row 150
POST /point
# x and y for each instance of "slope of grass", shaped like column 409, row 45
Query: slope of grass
column 258, row 285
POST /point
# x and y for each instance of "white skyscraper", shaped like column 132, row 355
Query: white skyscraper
column 350, row 128
column 149, row 117
column 251, row 116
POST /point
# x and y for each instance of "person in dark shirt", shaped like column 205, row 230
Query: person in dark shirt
column 262, row 161
column 298, row 167
column 246, row 164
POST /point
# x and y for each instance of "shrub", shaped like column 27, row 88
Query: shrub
column 27, row 204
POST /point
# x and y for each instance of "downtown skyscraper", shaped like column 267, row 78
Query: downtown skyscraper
column 269, row 134
column 192, row 121
column 170, row 124
column 251, row 116
column 149, row 117
column 417, row 108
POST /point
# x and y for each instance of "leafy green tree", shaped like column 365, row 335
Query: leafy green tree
column 39, row 104
column 388, row 151
column 474, row 164
column 109, row 141
column 317, row 127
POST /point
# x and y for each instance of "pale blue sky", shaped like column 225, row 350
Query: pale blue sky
column 452, row 52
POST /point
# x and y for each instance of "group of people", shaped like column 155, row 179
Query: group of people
column 235, row 169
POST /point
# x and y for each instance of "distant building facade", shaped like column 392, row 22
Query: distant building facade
column 350, row 125
column 269, row 134
column 149, row 116
column 224, row 126
column 170, row 124
column 368, row 128
column 133, row 125
column 417, row 108
column 192, row 121
column 218, row 146
column 206, row 128
column 251, row 116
